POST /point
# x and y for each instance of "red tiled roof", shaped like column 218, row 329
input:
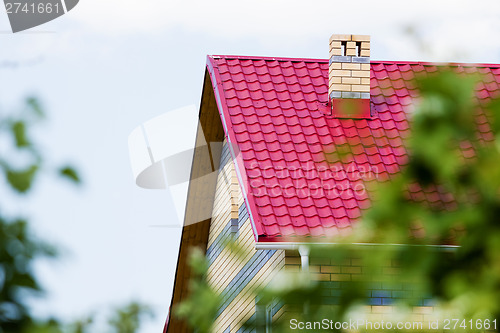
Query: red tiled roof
column 304, row 172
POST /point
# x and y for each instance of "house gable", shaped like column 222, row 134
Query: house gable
column 276, row 118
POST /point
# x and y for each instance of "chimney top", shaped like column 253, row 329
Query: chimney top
column 349, row 71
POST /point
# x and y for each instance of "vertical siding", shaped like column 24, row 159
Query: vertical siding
column 236, row 271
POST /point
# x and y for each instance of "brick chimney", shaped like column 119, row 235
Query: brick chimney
column 349, row 75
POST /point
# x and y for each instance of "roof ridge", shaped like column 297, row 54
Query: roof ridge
column 391, row 62
column 265, row 58
column 434, row 63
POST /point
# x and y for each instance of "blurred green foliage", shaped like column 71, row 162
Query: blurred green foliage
column 21, row 164
column 445, row 125
column 127, row 319
column 463, row 279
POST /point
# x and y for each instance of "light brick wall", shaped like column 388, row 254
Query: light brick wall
column 381, row 294
column 349, row 65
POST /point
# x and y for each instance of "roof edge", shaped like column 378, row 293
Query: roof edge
column 237, row 160
column 296, row 245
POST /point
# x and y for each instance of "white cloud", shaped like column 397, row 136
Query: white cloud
column 458, row 32
column 463, row 30
column 233, row 18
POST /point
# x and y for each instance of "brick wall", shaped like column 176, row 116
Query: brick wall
column 334, row 275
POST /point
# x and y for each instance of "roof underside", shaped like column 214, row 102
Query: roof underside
column 304, row 172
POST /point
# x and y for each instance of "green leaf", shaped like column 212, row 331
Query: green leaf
column 82, row 325
column 70, row 173
column 45, row 326
column 27, row 281
column 18, row 129
column 21, row 180
column 127, row 319
column 34, row 105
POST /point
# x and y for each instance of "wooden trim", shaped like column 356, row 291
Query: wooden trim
column 200, row 200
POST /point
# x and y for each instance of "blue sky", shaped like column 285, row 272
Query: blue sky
column 108, row 66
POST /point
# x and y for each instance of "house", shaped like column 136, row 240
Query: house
column 269, row 130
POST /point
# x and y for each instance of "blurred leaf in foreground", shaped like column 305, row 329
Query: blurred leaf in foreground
column 70, row 174
column 21, row 180
column 127, row 319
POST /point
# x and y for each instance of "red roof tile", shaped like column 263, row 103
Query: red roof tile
column 303, row 172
